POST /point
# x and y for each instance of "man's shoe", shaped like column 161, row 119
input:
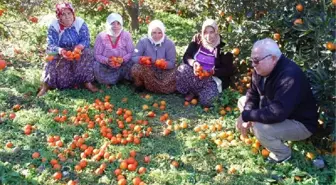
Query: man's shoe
column 271, row 160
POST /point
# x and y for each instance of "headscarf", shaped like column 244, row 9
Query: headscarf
column 60, row 7
column 108, row 26
column 156, row 24
column 205, row 43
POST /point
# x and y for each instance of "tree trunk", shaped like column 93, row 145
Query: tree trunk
column 133, row 12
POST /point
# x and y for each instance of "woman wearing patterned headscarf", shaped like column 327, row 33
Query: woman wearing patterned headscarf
column 113, row 51
column 68, row 41
column 154, row 57
column 206, row 69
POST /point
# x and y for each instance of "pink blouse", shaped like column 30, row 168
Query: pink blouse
column 104, row 48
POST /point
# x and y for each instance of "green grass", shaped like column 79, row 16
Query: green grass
column 197, row 158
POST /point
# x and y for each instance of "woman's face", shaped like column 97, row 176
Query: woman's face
column 157, row 34
column 209, row 34
column 116, row 26
column 67, row 17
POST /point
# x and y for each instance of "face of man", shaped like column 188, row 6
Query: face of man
column 263, row 63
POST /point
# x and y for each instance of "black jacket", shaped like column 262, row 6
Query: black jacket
column 286, row 95
column 223, row 63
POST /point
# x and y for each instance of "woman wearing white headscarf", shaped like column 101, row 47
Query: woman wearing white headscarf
column 113, row 50
column 154, row 57
column 205, row 51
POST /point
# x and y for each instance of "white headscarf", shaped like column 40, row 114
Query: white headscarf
column 110, row 19
column 212, row 23
column 153, row 25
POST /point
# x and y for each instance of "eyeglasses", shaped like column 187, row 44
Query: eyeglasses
column 256, row 61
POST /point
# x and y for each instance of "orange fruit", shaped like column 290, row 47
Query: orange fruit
column 35, row 155
column 9, row 144
column 310, row 155
column 229, row 18
column 203, row 136
column 184, row 125
column 145, row 107
column 276, row 36
column 265, row 153
column 232, row 170
column 123, row 165
column 298, row 21
column 299, row 7
column 132, row 153
column 146, row 159
column 136, row 181
column 166, row 132
column 117, row 172
column 334, row 2
column 3, row 64
column 142, row 170
column 236, row 51
column 254, row 150
column 57, row 175
column 122, row 182
column 175, row 164
column 194, row 101
column 219, row 168
column 197, row 129
column 331, row 46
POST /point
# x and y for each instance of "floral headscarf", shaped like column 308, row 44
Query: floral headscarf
column 60, row 7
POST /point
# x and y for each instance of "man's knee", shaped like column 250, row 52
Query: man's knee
column 260, row 130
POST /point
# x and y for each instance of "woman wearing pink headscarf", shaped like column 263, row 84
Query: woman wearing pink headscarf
column 154, row 57
column 113, row 51
column 206, row 70
column 68, row 33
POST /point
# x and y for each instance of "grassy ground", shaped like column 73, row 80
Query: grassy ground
column 197, row 158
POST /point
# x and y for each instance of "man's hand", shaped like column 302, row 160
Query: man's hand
column 242, row 126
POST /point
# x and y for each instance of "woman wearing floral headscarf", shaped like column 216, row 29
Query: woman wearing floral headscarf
column 154, row 57
column 113, row 51
column 206, row 69
column 68, row 42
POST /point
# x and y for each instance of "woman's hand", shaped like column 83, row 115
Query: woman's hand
column 146, row 61
column 196, row 65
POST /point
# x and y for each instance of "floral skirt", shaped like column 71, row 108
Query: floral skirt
column 153, row 79
column 62, row 74
column 187, row 82
column 105, row 74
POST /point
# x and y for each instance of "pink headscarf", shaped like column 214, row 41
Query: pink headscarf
column 60, row 7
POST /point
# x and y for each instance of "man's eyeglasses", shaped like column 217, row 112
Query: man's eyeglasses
column 256, row 61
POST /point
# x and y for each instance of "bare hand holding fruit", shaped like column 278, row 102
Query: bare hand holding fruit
column 144, row 60
column 161, row 64
column 201, row 73
column 116, row 61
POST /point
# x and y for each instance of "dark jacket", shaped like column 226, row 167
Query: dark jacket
column 286, row 95
column 223, row 63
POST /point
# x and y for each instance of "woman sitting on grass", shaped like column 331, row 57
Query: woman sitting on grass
column 68, row 42
column 206, row 69
column 113, row 51
column 154, row 57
